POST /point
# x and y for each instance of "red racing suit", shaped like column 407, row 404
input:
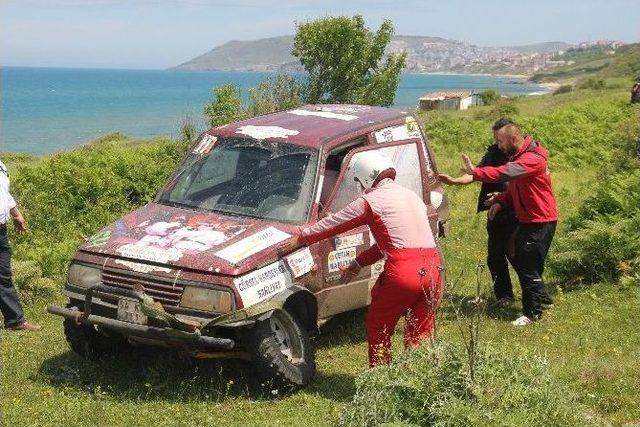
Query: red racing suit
column 411, row 283
column 529, row 191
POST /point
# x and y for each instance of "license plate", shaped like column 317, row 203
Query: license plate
column 130, row 311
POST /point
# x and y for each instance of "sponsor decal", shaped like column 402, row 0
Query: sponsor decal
column 206, row 144
column 263, row 283
column 341, row 258
column 300, row 262
column 262, row 132
column 343, row 242
column 398, row 133
column 377, row 268
column 142, row 268
column 252, row 245
column 325, row 114
column 149, row 253
column 98, row 239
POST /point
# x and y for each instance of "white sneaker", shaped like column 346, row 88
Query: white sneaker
column 522, row 321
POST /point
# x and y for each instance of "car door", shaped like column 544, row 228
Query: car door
column 343, row 249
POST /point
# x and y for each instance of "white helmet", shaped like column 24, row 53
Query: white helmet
column 368, row 165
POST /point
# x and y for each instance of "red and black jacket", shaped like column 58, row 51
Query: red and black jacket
column 529, row 192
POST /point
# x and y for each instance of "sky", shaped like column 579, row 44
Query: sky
column 157, row 34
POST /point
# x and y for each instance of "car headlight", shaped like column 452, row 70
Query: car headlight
column 205, row 299
column 83, row 276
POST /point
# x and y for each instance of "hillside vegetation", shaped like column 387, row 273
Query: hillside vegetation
column 595, row 62
column 578, row 366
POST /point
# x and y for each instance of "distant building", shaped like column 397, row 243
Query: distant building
column 449, row 100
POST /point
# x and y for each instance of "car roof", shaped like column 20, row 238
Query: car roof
column 310, row 125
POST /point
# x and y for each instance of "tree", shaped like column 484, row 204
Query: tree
column 344, row 60
column 279, row 92
column 226, row 107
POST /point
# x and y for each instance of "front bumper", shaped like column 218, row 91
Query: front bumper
column 175, row 330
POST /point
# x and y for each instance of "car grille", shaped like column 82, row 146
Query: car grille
column 166, row 292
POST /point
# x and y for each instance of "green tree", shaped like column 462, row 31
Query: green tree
column 344, row 60
column 226, row 107
column 489, row 96
column 280, row 92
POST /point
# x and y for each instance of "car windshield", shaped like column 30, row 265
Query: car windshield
column 246, row 177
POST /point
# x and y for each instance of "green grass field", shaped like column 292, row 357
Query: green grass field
column 590, row 338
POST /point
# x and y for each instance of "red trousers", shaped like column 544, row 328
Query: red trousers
column 409, row 286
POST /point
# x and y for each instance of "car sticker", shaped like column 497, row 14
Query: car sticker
column 300, row 262
column 149, row 253
column 252, row 245
column 142, row 268
column 341, row 258
column 353, row 240
column 325, row 114
column 345, row 108
column 398, row 133
column 436, row 199
column 263, row 283
column 98, row 239
column 205, row 145
column 262, row 132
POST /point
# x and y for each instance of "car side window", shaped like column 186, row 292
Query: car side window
column 333, row 165
column 407, row 163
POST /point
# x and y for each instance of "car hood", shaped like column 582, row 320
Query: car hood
column 170, row 237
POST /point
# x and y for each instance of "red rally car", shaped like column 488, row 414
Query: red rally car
column 199, row 268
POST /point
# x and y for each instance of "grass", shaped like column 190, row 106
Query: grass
column 589, row 340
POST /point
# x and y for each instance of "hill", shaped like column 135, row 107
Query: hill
column 594, row 61
column 424, row 54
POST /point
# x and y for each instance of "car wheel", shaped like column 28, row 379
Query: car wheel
column 282, row 351
column 88, row 342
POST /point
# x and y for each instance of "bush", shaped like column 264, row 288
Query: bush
column 71, row 195
column 489, row 96
column 563, row 89
column 431, row 387
column 602, row 242
column 28, row 280
column 592, row 83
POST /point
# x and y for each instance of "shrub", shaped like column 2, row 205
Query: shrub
column 71, row 195
column 226, row 106
column 591, row 83
column 563, row 89
column 27, row 277
column 602, row 242
column 431, row 387
column 489, row 96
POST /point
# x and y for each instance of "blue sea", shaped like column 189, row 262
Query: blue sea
column 43, row 110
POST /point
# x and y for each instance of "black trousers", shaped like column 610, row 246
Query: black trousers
column 9, row 302
column 532, row 242
column 499, row 232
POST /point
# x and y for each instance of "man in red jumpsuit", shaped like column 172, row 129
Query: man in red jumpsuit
column 411, row 283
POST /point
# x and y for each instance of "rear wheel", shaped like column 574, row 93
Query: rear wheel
column 282, row 351
column 89, row 342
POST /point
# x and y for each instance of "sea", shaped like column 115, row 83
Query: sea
column 45, row 110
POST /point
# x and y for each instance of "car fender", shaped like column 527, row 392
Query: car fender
column 295, row 299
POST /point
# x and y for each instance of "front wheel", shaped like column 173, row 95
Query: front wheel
column 282, row 351
column 88, row 342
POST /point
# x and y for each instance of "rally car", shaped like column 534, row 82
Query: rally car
column 200, row 268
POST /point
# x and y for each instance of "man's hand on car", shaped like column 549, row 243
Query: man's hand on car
column 348, row 272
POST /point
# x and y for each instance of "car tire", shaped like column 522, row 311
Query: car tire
column 282, row 351
column 88, row 342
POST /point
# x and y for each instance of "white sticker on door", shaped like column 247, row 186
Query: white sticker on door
column 343, row 242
